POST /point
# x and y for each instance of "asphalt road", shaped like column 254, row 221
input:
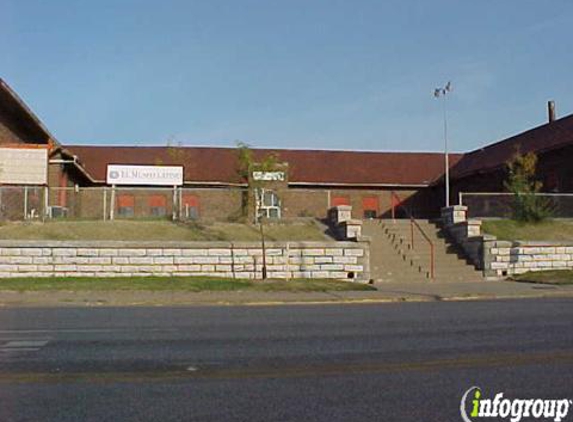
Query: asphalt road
column 389, row 362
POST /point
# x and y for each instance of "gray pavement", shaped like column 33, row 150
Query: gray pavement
column 387, row 362
column 386, row 292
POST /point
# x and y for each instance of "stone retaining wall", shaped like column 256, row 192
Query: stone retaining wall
column 336, row 260
column 503, row 258
column 466, row 233
column 499, row 258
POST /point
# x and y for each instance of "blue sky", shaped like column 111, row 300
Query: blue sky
column 331, row 74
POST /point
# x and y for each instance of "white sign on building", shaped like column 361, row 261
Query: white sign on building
column 144, row 175
column 269, row 176
column 24, row 166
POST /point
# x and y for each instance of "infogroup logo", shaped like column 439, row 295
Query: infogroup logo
column 513, row 409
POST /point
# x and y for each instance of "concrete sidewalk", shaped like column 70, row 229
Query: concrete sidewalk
column 386, row 292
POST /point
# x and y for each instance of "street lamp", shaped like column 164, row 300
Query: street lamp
column 441, row 92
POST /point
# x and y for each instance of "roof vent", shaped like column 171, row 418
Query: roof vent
column 551, row 111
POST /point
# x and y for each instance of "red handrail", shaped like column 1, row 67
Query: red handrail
column 413, row 223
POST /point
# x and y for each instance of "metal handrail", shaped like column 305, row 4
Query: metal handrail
column 414, row 223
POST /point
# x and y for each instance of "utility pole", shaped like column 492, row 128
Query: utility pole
column 442, row 92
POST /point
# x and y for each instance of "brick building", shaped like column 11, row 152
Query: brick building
column 312, row 181
column 485, row 169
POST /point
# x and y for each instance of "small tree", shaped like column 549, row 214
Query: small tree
column 246, row 165
column 527, row 206
column 177, row 156
column 245, row 159
column 245, row 162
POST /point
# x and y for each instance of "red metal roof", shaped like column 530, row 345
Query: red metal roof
column 538, row 140
column 205, row 165
column 219, row 165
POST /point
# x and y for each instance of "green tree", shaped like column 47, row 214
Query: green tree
column 245, row 160
column 246, row 165
column 527, row 205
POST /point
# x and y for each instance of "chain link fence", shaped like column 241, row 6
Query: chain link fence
column 107, row 203
column 205, row 204
column 22, row 203
column 491, row 204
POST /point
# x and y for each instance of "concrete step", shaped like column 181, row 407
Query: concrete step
column 435, row 236
column 392, row 256
column 443, row 268
column 422, row 224
column 447, row 260
column 438, row 256
column 441, row 261
column 425, row 249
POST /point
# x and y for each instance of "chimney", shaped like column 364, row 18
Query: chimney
column 551, row 111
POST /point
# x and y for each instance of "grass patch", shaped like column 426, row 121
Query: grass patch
column 550, row 230
column 130, row 230
column 181, row 284
column 559, row 277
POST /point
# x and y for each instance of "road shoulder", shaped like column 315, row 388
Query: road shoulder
column 385, row 293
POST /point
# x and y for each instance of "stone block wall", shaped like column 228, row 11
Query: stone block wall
column 334, row 260
column 343, row 225
column 498, row 258
column 454, row 215
column 504, row 258
column 466, row 233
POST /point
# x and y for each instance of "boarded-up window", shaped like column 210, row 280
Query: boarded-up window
column 125, row 205
column 191, row 206
column 125, row 201
column 340, row 200
column 370, row 206
column 157, row 205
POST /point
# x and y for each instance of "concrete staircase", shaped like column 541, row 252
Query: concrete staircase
column 393, row 259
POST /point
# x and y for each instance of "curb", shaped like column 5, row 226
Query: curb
column 261, row 303
column 69, row 299
column 96, row 304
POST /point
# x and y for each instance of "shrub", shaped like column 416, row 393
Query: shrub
column 527, row 205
